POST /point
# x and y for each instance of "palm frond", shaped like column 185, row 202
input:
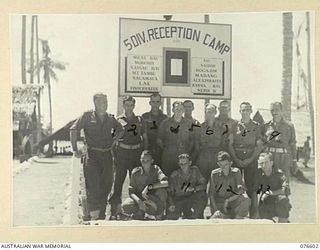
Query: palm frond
column 58, row 65
column 53, row 75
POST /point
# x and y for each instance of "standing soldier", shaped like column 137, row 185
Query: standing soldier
column 101, row 131
column 174, row 138
column 245, row 144
column 127, row 153
column 225, row 122
column 306, row 151
column 280, row 140
column 153, row 119
column 187, row 191
column 208, row 142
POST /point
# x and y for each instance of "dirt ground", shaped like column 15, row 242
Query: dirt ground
column 39, row 194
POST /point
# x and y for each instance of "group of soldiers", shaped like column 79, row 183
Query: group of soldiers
column 176, row 164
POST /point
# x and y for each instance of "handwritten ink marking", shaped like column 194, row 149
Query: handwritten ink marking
column 273, row 135
column 229, row 189
column 185, row 186
column 194, row 125
column 268, row 189
column 209, row 131
column 260, row 189
column 154, row 125
column 113, row 132
column 245, row 131
column 217, row 190
column 227, row 129
column 175, row 130
column 133, row 129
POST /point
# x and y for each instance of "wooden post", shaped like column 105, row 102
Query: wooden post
column 206, row 20
column 311, row 110
column 168, row 99
column 119, row 106
column 23, row 51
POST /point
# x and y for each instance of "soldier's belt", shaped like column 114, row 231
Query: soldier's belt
column 276, row 150
column 104, row 150
column 126, row 146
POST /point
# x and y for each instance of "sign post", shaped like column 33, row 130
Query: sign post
column 176, row 59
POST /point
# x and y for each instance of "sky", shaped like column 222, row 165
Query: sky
column 89, row 44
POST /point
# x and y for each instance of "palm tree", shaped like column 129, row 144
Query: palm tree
column 23, row 50
column 287, row 64
column 49, row 66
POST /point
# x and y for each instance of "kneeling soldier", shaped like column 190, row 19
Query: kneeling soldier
column 226, row 190
column 187, row 191
column 273, row 190
column 147, row 190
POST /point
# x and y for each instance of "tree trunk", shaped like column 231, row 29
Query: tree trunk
column 23, row 51
column 287, row 64
column 37, row 48
column 311, row 110
column 50, row 105
column 50, row 149
column 38, row 80
column 31, row 50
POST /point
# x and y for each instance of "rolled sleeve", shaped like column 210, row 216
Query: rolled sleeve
column 79, row 123
column 160, row 175
column 117, row 127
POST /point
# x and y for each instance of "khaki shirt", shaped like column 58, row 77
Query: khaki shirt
column 178, row 181
column 277, row 180
column 222, row 186
column 98, row 133
column 280, row 135
column 172, row 133
column 245, row 135
column 134, row 128
column 152, row 126
column 140, row 179
column 209, row 137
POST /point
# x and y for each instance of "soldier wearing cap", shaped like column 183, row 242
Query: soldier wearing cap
column 208, row 142
column 101, row 131
column 127, row 152
column 272, row 188
column 245, row 144
column 147, row 190
column 280, row 140
column 225, row 122
column 175, row 138
column 226, row 190
column 187, row 191
column 153, row 119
